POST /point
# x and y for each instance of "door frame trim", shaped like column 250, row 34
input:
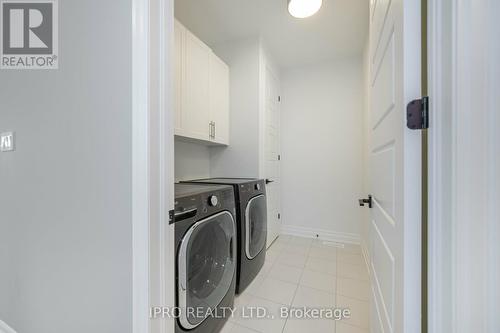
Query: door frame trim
column 152, row 163
column 140, row 165
column 439, row 162
column 464, row 150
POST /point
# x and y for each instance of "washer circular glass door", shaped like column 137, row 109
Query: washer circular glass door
column 255, row 226
column 206, row 266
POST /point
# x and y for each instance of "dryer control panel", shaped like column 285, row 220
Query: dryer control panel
column 199, row 201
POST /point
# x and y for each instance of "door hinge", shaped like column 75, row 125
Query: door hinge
column 368, row 201
column 417, row 114
column 171, row 216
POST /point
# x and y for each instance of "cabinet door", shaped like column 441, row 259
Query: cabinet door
column 195, row 101
column 219, row 99
column 179, row 37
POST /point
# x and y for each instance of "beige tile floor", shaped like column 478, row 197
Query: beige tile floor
column 302, row 272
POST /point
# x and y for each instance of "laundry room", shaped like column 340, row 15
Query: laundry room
column 271, row 103
column 258, row 166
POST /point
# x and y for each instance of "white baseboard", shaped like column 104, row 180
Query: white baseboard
column 327, row 235
column 4, row 328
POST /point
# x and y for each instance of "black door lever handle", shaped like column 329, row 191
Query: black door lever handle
column 368, row 201
column 269, row 181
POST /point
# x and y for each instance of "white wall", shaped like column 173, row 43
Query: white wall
column 241, row 158
column 192, row 160
column 65, row 198
column 322, row 146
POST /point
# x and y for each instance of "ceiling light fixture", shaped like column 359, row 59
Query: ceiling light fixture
column 303, row 8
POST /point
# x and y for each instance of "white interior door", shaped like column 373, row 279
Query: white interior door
column 272, row 155
column 395, row 157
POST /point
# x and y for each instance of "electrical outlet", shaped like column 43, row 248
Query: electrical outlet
column 7, row 142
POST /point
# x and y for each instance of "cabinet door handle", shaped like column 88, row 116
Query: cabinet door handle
column 211, row 130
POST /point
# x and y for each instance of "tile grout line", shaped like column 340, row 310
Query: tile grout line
column 274, row 264
column 293, row 298
column 253, row 296
column 265, row 276
column 291, row 302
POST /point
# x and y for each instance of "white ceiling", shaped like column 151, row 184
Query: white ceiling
column 338, row 30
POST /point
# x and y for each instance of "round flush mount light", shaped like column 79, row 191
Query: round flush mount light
column 303, row 8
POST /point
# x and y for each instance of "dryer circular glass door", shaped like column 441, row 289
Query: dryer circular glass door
column 255, row 226
column 206, row 266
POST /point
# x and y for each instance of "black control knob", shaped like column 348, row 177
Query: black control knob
column 257, row 187
column 213, row 200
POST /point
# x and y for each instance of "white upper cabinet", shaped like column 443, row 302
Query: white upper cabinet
column 196, row 88
column 201, row 90
column 179, row 49
column 219, row 100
